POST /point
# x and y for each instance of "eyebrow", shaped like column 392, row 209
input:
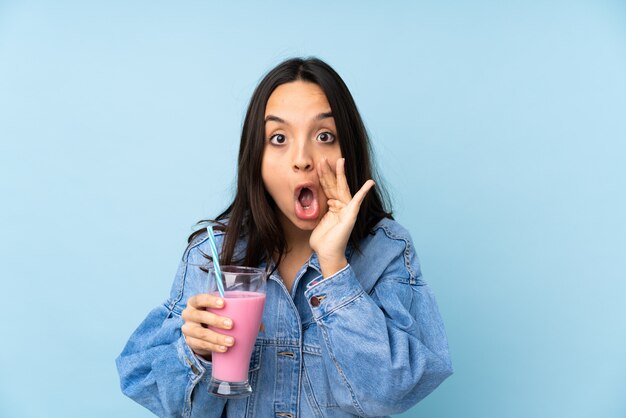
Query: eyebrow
column 321, row 116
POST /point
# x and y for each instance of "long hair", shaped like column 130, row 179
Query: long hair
column 253, row 213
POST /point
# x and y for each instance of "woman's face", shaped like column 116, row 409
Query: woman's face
column 299, row 132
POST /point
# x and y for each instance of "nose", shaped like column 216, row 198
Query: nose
column 302, row 159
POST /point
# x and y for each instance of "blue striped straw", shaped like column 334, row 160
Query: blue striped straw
column 216, row 261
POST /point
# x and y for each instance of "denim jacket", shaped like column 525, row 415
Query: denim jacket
column 367, row 341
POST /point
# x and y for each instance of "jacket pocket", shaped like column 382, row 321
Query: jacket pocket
column 317, row 380
column 320, row 393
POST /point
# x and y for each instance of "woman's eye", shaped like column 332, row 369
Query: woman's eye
column 326, row 137
column 277, row 139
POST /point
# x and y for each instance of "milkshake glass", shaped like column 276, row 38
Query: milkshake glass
column 244, row 300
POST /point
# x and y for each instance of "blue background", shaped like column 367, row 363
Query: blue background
column 499, row 128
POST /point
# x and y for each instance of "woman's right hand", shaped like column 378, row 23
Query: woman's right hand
column 200, row 339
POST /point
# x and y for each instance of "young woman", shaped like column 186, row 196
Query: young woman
column 349, row 326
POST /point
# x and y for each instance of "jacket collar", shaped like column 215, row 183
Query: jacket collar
column 313, row 261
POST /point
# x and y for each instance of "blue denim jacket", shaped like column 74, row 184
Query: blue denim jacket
column 367, row 341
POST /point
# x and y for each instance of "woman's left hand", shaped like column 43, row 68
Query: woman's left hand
column 330, row 236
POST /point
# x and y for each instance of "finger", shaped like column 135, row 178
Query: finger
column 206, row 300
column 207, row 335
column 330, row 181
column 356, row 201
column 200, row 346
column 200, row 316
column 327, row 179
column 342, row 184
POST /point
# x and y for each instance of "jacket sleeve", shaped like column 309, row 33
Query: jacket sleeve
column 384, row 349
column 157, row 368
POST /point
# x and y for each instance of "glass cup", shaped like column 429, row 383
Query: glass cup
column 244, row 299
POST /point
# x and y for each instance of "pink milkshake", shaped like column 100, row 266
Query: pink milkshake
column 245, row 308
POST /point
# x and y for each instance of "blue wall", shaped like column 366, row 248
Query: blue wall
column 499, row 130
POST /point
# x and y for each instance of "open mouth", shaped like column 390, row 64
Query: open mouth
column 305, row 198
column 306, row 204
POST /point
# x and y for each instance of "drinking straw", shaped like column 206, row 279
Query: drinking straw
column 216, row 260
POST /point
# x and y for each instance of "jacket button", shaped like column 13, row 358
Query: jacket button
column 315, row 302
column 194, row 369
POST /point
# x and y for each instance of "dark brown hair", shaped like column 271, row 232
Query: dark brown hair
column 253, row 213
